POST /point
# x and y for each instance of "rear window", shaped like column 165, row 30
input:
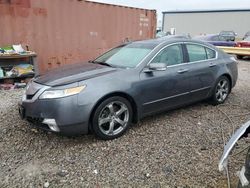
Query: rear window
column 199, row 53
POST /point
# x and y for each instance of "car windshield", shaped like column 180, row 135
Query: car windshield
column 128, row 56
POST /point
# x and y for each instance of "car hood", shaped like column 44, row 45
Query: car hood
column 73, row 73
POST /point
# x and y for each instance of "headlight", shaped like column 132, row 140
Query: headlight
column 52, row 94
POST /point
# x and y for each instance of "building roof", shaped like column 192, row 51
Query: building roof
column 205, row 11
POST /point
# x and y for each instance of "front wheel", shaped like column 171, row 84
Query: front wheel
column 221, row 90
column 112, row 118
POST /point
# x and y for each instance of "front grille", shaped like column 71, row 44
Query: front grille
column 35, row 120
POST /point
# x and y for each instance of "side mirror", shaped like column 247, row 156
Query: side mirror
column 155, row 67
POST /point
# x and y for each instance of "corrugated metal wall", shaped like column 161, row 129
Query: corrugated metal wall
column 208, row 22
column 69, row 31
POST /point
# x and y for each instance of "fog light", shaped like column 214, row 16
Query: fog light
column 52, row 124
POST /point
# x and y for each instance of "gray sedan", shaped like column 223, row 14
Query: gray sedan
column 129, row 82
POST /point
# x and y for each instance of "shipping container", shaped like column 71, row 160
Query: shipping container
column 71, row 31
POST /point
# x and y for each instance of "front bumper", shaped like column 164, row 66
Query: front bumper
column 70, row 118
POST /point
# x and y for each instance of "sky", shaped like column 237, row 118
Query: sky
column 167, row 5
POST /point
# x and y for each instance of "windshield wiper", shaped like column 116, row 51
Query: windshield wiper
column 101, row 63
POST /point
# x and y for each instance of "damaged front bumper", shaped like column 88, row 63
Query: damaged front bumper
column 60, row 115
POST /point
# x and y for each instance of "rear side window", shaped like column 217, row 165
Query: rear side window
column 210, row 53
column 196, row 52
column 199, row 53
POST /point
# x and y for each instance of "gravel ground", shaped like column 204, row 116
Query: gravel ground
column 180, row 148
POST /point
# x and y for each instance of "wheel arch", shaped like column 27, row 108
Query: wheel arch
column 228, row 76
column 114, row 94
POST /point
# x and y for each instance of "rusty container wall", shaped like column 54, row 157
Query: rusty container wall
column 70, row 31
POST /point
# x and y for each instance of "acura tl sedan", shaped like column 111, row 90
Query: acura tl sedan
column 106, row 95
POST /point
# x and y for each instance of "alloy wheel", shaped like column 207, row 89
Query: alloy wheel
column 113, row 118
column 222, row 90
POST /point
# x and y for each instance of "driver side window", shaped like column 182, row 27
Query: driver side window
column 171, row 55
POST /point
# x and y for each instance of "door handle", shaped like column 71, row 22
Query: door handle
column 212, row 65
column 182, row 71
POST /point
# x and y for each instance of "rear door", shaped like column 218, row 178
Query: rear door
column 203, row 66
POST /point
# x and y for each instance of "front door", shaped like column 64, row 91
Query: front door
column 165, row 89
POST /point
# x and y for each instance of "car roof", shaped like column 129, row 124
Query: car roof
column 163, row 40
column 227, row 31
column 156, row 42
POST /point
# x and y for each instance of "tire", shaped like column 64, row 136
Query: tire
column 112, row 118
column 239, row 56
column 221, row 91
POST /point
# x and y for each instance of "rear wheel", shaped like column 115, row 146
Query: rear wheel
column 221, row 90
column 112, row 118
